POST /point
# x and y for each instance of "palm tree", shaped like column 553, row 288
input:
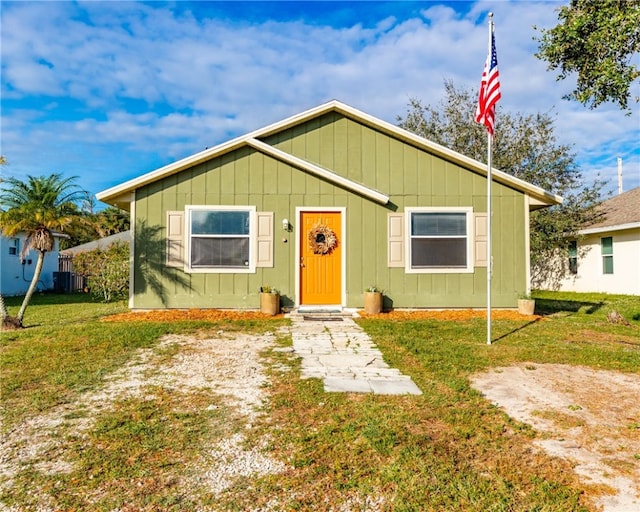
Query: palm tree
column 4, row 314
column 3, row 307
column 37, row 207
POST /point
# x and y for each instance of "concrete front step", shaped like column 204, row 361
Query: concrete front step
column 321, row 313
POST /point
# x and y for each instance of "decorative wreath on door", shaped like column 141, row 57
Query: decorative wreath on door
column 322, row 239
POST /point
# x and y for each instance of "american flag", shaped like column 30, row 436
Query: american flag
column 489, row 90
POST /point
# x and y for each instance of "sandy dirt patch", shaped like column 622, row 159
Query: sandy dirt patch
column 228, row 365
column 589, row 417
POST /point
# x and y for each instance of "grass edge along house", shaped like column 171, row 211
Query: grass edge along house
column 321, row 206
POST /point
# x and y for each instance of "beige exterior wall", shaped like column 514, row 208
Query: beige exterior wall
column 590, row 277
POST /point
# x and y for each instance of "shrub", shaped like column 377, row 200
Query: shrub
column 106, row 270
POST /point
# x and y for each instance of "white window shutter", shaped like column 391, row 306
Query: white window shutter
column 480, row 239
column 175, row 239
column 395, row 240
column 264, row 239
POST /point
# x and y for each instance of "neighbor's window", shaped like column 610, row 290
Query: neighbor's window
column 220, row 238
column 439, row 240
column 573, row 257
column 606, row 245
column 14, row 246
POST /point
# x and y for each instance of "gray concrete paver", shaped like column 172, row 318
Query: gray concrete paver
column 384, row 387
column 335, row 384
column 345, row 358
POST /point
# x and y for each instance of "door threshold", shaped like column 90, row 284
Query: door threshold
column 319, row 309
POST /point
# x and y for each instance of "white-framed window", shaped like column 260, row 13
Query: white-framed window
column 439, row 240
column 573, row 257
column 606, row 244
column 220, row 238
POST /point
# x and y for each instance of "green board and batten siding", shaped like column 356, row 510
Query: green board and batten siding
column 408, row 175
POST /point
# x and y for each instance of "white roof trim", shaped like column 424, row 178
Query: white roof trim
column 546, row 198
column 321, row 172
column 605, row 229
column 23, row 234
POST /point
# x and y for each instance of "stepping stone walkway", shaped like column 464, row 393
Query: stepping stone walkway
column 337, row 350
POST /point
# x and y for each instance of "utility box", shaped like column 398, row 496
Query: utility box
column 62, row 281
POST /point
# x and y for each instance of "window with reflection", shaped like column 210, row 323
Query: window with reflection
column 220, row 237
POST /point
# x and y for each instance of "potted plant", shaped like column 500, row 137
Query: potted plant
column 373, row 300
column 526, row 304
column 269, row 300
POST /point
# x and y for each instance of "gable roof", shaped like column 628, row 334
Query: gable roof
column 121, row 195
column 102, row 243
column 619, row 212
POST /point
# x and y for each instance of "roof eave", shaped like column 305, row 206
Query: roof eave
column 541, row 197
column 604, row 229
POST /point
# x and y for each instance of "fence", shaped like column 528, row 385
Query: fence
column 66, row 280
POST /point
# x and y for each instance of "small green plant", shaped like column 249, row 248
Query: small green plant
column 268, row 289
column 373, row 288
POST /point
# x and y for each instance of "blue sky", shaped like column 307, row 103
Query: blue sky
column 108, row 91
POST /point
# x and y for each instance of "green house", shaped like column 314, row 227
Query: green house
column 321, row 206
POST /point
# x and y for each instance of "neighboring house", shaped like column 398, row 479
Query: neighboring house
column 101, row 243
column 16, row 273
column 320, row 206
column 606, row 258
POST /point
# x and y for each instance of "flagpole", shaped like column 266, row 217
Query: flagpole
column 489, row 211
column 489, row 260
column 488, row 96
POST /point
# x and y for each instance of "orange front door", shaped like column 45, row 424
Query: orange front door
column 320, row 269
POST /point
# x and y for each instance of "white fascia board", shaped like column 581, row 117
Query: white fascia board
column 605, row 229
column 58, row 234
column 318, row 171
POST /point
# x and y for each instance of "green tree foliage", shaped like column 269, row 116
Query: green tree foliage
column 525, row 146
column 111, row 221
column 106, row 270
column 90, row 225
column 597, row 40
column 37, row 207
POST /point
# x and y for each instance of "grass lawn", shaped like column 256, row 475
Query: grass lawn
column 448, row 449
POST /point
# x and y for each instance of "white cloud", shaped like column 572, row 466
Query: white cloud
column 153, row 84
